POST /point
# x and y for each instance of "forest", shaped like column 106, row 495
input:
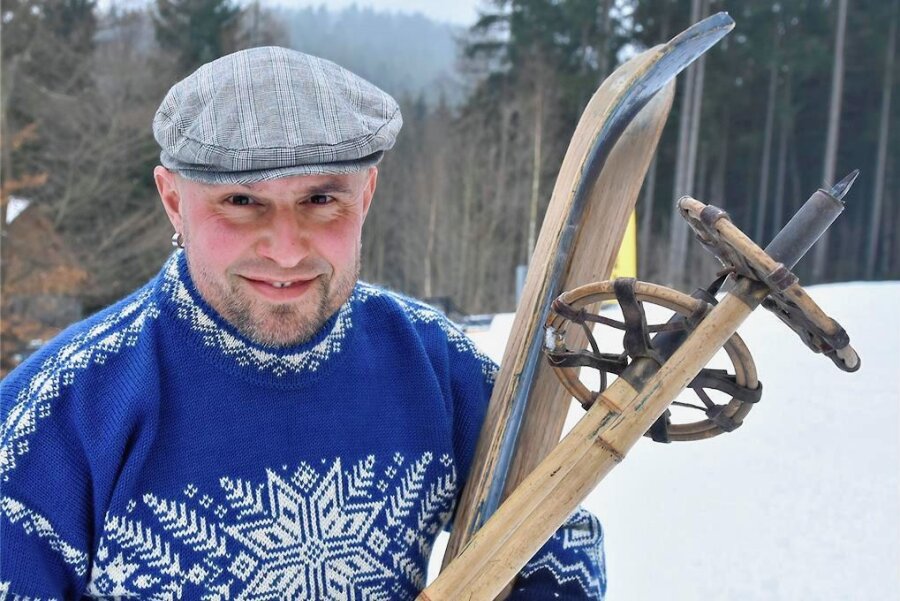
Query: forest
column 800, row 94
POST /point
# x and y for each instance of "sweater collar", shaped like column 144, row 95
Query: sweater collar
column 233, row 351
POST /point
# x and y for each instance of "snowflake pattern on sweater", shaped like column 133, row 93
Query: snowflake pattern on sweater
column 152, row 452
column 314, row 532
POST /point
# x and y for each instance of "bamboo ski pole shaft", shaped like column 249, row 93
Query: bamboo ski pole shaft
column 596, row 444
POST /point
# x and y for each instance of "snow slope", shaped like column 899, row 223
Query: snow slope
column 802, row 502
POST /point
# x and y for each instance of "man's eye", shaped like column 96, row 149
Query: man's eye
column 240, row 200
column 320, row 199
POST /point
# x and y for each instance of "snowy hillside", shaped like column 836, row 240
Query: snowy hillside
column 802, row 502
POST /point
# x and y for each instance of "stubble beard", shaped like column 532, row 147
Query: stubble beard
column 277, row 325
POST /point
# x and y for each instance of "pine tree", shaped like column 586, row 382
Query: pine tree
column 197, row 31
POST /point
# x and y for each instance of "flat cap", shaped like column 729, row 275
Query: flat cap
column 266, row 113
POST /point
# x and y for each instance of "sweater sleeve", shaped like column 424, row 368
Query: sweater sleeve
column 45, row 494
column 571, row 564
column 69, row 420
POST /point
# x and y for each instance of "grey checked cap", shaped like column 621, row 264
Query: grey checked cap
column 265, row 113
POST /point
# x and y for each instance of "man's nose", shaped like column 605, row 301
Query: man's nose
column 286, row 240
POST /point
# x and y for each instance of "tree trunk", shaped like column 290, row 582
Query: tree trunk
column 781, row 173
column 717, row 183
column 763, row 198
column 690, row 175
column 468, row 198
column 604, row 25
column 494, row 213
column 701, row 185
column 428, row 286
column 690, row 179
column 883, row 134
column 678, row 236
column 12, row 69
column 820, row 258
column 535, row 165
column 890, row 254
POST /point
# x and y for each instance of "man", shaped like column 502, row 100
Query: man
column 254, row 423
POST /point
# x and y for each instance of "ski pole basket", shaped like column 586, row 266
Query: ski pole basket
column 772, row 282
column 741, row 384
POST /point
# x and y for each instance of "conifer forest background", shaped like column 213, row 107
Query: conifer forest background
column 798, row 95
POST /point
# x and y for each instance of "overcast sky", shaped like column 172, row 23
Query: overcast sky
column 460, row 12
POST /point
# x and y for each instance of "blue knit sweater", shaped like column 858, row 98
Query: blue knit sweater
column 152, row 452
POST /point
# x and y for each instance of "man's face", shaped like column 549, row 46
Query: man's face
column 276, row 259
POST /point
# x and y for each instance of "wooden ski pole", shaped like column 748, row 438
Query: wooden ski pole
column 602, row 438
column 621, row 414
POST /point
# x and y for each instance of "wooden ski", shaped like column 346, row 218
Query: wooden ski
column 594, row 195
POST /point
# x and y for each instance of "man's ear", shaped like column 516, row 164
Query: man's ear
column 369, row 191
column 169, row 195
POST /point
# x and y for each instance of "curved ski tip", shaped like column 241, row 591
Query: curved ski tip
column 720, row 20
column 713, row 28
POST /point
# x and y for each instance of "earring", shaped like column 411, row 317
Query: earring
column 177, row 240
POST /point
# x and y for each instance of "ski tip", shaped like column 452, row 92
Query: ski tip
column 724, row 18
column 840, row 189
column 720, row 20
column 702, row 35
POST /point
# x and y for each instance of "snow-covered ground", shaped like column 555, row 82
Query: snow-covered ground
column 801, row 502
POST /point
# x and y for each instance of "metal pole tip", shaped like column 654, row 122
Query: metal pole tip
column 840, row 189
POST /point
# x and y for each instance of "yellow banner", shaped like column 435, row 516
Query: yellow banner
column 626, row 261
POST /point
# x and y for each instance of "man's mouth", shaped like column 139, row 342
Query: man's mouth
column 280, row 290
column 278, row 283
